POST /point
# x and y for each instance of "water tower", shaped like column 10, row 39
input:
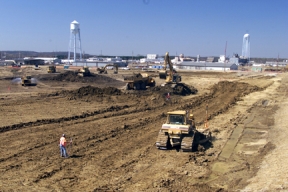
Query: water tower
column 74, row 39
column 246, row 46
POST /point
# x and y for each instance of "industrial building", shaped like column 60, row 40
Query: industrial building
column 41, row 60
column 207, row 66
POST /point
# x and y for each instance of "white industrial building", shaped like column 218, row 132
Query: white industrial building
column 41, row 60
column 207, row 66
column 152, row 58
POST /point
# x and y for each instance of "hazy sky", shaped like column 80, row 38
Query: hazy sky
column 123, row 27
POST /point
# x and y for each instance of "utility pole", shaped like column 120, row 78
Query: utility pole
column 277, row 62
column 225, row 57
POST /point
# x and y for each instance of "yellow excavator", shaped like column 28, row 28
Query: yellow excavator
column 104, row 69
column 170, row 75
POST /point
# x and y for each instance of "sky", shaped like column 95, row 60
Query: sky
column 140, row 27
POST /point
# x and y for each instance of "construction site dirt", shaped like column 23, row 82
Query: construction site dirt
column 113, row 132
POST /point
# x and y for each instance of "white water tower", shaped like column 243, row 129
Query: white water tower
column 74, row 38
column 246, row 46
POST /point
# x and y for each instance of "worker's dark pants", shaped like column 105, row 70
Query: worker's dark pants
column 63, row 151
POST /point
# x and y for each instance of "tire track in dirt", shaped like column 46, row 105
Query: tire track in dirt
column 123, row 158
column 62, row 119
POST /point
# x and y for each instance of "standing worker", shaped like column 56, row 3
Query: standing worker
column 168, row 96
column 63, row 144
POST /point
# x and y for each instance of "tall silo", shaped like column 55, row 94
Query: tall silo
column 246, row 46
column 74, row 38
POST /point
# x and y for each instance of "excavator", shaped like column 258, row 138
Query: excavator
column 171, row 75
column 180, row 131
column 104, row 69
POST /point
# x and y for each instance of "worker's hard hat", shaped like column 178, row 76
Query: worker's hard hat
column 63, row 135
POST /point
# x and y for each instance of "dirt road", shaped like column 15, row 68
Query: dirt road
column 114, row 133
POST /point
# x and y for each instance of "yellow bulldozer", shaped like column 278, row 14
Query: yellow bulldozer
column 180, row 131
column 139, row 81
column 84, row 72
column 104, row 69
column 170, row 75
column 51, row 69
column 28, row 81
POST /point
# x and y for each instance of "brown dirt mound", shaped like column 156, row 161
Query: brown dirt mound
column 227, row 86
column 179, row 89
column 90, row 91
column 223, row 95
column 73, row 77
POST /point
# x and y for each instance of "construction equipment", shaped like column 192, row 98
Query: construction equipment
column 139, row 81
column 36, row 67
column 180, row 131
column 171, row 76
column 51, row 69
column 84, row 71
column 28, row 81
column 104, row 69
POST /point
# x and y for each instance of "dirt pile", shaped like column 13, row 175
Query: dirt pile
column 232, row 87
column 89, row 91
column 179, row 89
column 222, row 96
column 72, row 76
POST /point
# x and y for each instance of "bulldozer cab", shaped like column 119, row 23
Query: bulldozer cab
column 176, row 119
column 27, row 77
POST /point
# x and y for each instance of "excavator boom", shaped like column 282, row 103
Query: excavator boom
column 104, row 69
column 171, row 76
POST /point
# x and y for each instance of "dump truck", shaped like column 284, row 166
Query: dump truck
column 51, row 69
column 180, row 131
column 171, row 75
column 28, row 81
column 84, row 71
column 104, row 69
column 139, row 81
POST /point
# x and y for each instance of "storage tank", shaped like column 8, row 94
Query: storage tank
column 74, row 26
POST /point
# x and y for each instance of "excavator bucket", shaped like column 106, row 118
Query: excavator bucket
column 162, row 74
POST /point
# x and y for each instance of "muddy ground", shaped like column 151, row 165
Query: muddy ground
column 114, row 131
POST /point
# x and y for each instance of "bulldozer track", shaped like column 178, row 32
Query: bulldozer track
column 187, row 142
column 162, row 141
